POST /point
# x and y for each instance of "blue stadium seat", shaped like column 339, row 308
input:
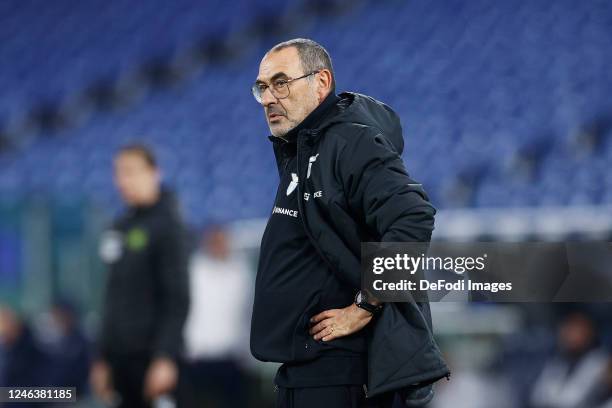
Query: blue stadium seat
column 488, row 93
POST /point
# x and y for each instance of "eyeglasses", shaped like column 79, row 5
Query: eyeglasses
column 279, row 87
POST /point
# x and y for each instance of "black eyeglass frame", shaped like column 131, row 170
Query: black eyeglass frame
column 257, row 92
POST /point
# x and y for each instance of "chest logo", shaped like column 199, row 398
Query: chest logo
column 293, row 184
column 137, row 239
column 310, row 162
column 317, row 194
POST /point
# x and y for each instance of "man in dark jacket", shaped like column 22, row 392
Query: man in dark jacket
column 146, row 300
column 342, row 182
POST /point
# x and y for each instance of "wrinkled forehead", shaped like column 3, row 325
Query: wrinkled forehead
column 285, row 61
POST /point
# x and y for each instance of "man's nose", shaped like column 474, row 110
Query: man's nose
column 267, row 98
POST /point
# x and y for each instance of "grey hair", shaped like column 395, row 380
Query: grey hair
column 313, row 56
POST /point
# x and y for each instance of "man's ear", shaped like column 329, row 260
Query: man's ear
column 324, row 81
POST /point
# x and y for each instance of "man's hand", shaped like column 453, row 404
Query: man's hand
column 334, row 323
column 161, row 378
column 101, row 382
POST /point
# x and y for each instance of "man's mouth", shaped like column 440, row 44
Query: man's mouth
column 274, row 116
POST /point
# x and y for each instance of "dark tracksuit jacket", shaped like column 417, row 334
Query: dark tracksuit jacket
column 363, row 194
column 147, row 296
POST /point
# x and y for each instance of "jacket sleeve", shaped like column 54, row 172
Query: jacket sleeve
column 395, row 208
column 173, row 289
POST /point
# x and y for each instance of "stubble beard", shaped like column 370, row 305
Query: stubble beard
column 291, row 124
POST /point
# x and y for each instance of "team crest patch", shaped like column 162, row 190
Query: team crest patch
column 137, row 239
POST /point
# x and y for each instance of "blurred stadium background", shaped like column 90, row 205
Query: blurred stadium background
column 505, row 105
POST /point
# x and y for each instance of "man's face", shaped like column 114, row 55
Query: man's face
column 284, row 114
column 135, row 179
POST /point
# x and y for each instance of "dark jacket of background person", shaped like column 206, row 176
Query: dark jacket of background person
column 147, row 294
column 574, row 376
column 367, row 195
column 68, row 348
column 24, row 362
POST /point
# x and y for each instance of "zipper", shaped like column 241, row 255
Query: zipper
column 286, row 158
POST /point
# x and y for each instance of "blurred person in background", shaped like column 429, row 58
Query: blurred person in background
column 22, row 362
column 571, row 377
column 217, row 328
column 342, row 181
column 67, row 347
column 602, row 397
column 147, row 294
